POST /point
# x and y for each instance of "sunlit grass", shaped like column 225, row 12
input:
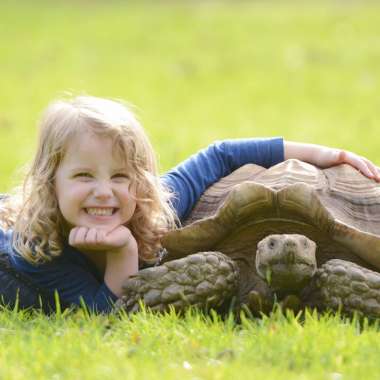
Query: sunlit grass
column 192, row 346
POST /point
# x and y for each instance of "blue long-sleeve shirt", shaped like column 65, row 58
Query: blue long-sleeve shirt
column 75, row 277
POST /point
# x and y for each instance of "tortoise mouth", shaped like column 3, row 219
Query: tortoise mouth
column 298, row 268
column 284, row 268
column 288, row 276
column 279, row 261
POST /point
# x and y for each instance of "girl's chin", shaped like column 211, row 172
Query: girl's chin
column 108, row 223
column 108, row 226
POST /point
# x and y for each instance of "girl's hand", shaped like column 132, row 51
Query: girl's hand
column 93, row 239
column 325, row 157
column 330, row 157
column 120, row 252
column 364, row 165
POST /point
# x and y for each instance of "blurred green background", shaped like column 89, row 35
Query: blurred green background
column 196, row 71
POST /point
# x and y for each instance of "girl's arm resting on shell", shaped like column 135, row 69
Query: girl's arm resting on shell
column 193, row 176
column 325, row 157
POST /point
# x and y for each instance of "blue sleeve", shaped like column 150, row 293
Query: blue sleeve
column 72, row 277
column 192, row 177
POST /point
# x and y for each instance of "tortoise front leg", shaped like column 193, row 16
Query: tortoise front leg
column 343, row 285
column 204, row 280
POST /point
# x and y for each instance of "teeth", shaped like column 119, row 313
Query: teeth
column 100, row 211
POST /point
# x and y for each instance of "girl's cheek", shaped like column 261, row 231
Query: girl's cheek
column 78, row 189
column 83, row 185
column 123, row 189
column 132, row 189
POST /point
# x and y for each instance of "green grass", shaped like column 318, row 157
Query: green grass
column 191, row 347
column 196, row 71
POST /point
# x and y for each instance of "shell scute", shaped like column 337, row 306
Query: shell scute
column 337, row 207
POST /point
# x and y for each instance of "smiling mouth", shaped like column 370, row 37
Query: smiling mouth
column 100, row 211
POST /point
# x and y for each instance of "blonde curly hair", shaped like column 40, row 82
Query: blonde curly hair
column 32, row 209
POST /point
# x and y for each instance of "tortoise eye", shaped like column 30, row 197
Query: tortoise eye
column 305, row 243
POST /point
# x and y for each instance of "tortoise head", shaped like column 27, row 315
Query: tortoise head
column 286, row 262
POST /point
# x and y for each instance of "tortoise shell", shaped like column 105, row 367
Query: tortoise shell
column 338, row 208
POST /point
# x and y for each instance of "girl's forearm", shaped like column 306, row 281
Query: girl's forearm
column 318, row 155
column 119, row 266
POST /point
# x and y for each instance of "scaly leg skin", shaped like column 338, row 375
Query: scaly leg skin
column 340, row 284
column 259, row 304
column 204, row 280
column 291, row 302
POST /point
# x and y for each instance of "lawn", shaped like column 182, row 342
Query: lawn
column 195, row 72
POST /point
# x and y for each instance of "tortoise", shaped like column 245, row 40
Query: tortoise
column 211, row 260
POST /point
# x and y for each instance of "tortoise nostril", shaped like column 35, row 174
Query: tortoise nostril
column 290, row 243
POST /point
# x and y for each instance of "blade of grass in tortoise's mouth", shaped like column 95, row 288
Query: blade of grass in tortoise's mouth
column 284, row 276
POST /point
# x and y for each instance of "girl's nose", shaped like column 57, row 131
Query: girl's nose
column 102, row 190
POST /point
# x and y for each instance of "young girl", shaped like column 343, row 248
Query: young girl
column 92, row 204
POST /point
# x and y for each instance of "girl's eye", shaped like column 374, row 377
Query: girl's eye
column 81, row 175
column 120, row 175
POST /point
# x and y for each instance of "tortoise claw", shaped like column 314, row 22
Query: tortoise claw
column 257, row 304
column 291, row 302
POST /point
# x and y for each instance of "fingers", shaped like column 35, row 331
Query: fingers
column 98, row 239
column 92, row 236
column 373, row 169
column 365, row 166
column 118, row 237
column 362, row 166
column 77, row 235
column 83, row 236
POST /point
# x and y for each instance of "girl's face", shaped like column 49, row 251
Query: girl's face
column 92, row 185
